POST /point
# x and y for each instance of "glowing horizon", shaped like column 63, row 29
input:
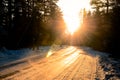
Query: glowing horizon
column 71, row 12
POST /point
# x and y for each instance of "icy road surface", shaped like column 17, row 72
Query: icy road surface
column 70, row 63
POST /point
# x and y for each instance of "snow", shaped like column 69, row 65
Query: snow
column 12, row 56
column 110, row 68
column 107, row 68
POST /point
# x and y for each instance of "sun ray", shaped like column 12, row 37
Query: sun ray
column 71, row 12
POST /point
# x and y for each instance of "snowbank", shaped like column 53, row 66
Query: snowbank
column 108, row 68
column 8, row 56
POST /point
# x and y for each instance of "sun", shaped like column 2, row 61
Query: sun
column 72, row 15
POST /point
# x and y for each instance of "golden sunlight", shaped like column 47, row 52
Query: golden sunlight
column 49, row 53
column 71, row 12
column 71, row 59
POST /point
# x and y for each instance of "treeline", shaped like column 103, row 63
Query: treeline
column 29, row 23
column 101, row 28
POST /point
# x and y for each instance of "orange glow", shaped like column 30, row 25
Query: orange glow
column 71, row 12
column 49, row 53
column 69, row 60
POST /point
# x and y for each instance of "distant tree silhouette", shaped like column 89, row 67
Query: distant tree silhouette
column 115, row 44
column 106, row 20
column 28, row 23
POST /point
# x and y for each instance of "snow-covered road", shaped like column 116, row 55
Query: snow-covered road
column 70, row 63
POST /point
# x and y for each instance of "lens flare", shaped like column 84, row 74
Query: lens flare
column 71, row 12
column 49, row 54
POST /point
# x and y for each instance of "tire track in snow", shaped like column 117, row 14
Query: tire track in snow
column 42, row 63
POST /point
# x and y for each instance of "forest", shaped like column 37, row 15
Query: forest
column 29, row 23
column 33, row 23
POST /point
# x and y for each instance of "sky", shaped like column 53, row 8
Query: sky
column 71, row 12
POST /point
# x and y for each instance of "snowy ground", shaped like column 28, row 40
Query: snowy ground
column 107, row 68
column 103, row 67
column 12, row 56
